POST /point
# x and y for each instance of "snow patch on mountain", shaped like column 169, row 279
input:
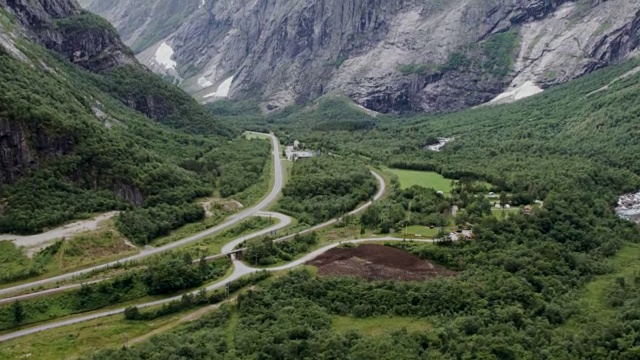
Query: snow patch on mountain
column 223, row 89
column 163, row 56
column 524, row 91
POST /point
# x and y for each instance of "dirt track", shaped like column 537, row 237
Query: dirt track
column 377, row 262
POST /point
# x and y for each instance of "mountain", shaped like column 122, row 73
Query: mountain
column 84, row 127
column 388, row 56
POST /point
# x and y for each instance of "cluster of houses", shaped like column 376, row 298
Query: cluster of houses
column 294, row 152
column 527, row 209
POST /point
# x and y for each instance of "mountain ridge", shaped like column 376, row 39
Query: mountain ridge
column 386, row 56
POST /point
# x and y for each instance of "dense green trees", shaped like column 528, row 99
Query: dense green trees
column 242, row 163
column 143, row 225
column 413, row 206
column 511, row 299
column 325, row 187
column 173, row 272
column 265, row 252
column 91, row 151
column 159, row 100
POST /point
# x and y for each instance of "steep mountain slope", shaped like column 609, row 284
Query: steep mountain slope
column 83, row 125
column 387, row 56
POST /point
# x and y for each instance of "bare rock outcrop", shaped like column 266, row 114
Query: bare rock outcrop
column 63, row 26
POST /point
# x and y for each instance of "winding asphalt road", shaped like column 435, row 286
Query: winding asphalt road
column 240, row 269
column 283, row 222
column 382, row 188
column 226, row 249
column 239, row 217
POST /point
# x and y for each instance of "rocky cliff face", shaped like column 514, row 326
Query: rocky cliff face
column 16, row 156
column 389, row 56
column 63, row 26
column 21, row 150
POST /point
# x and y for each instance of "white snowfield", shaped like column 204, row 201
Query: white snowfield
column 223, row 89
column 163, row 56
column 524, row 91
column 203, row 82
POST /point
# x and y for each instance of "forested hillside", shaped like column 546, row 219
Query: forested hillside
column 78, row 138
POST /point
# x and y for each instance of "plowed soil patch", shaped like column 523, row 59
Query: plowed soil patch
column 377, row 262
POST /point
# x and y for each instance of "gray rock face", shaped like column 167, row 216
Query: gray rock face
column 15, row 155
column 94, row 46
column 389, row 56
column 22, row 150
column 129, row 192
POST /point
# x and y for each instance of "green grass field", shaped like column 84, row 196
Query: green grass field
column 378, row 325
column 498, row 212
column 592, row 299
column 426, row 179
column 252, row 136
column 422, row 230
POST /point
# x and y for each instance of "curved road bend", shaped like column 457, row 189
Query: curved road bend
column 240, row 270
column 275, row 191
column 229, row 247
column 382, row 188
column 284, row 221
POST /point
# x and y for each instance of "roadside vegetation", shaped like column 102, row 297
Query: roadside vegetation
column 264, row 252
column 164, row 275
column 402, row 208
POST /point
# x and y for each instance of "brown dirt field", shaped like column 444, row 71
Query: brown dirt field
column 377, row 262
